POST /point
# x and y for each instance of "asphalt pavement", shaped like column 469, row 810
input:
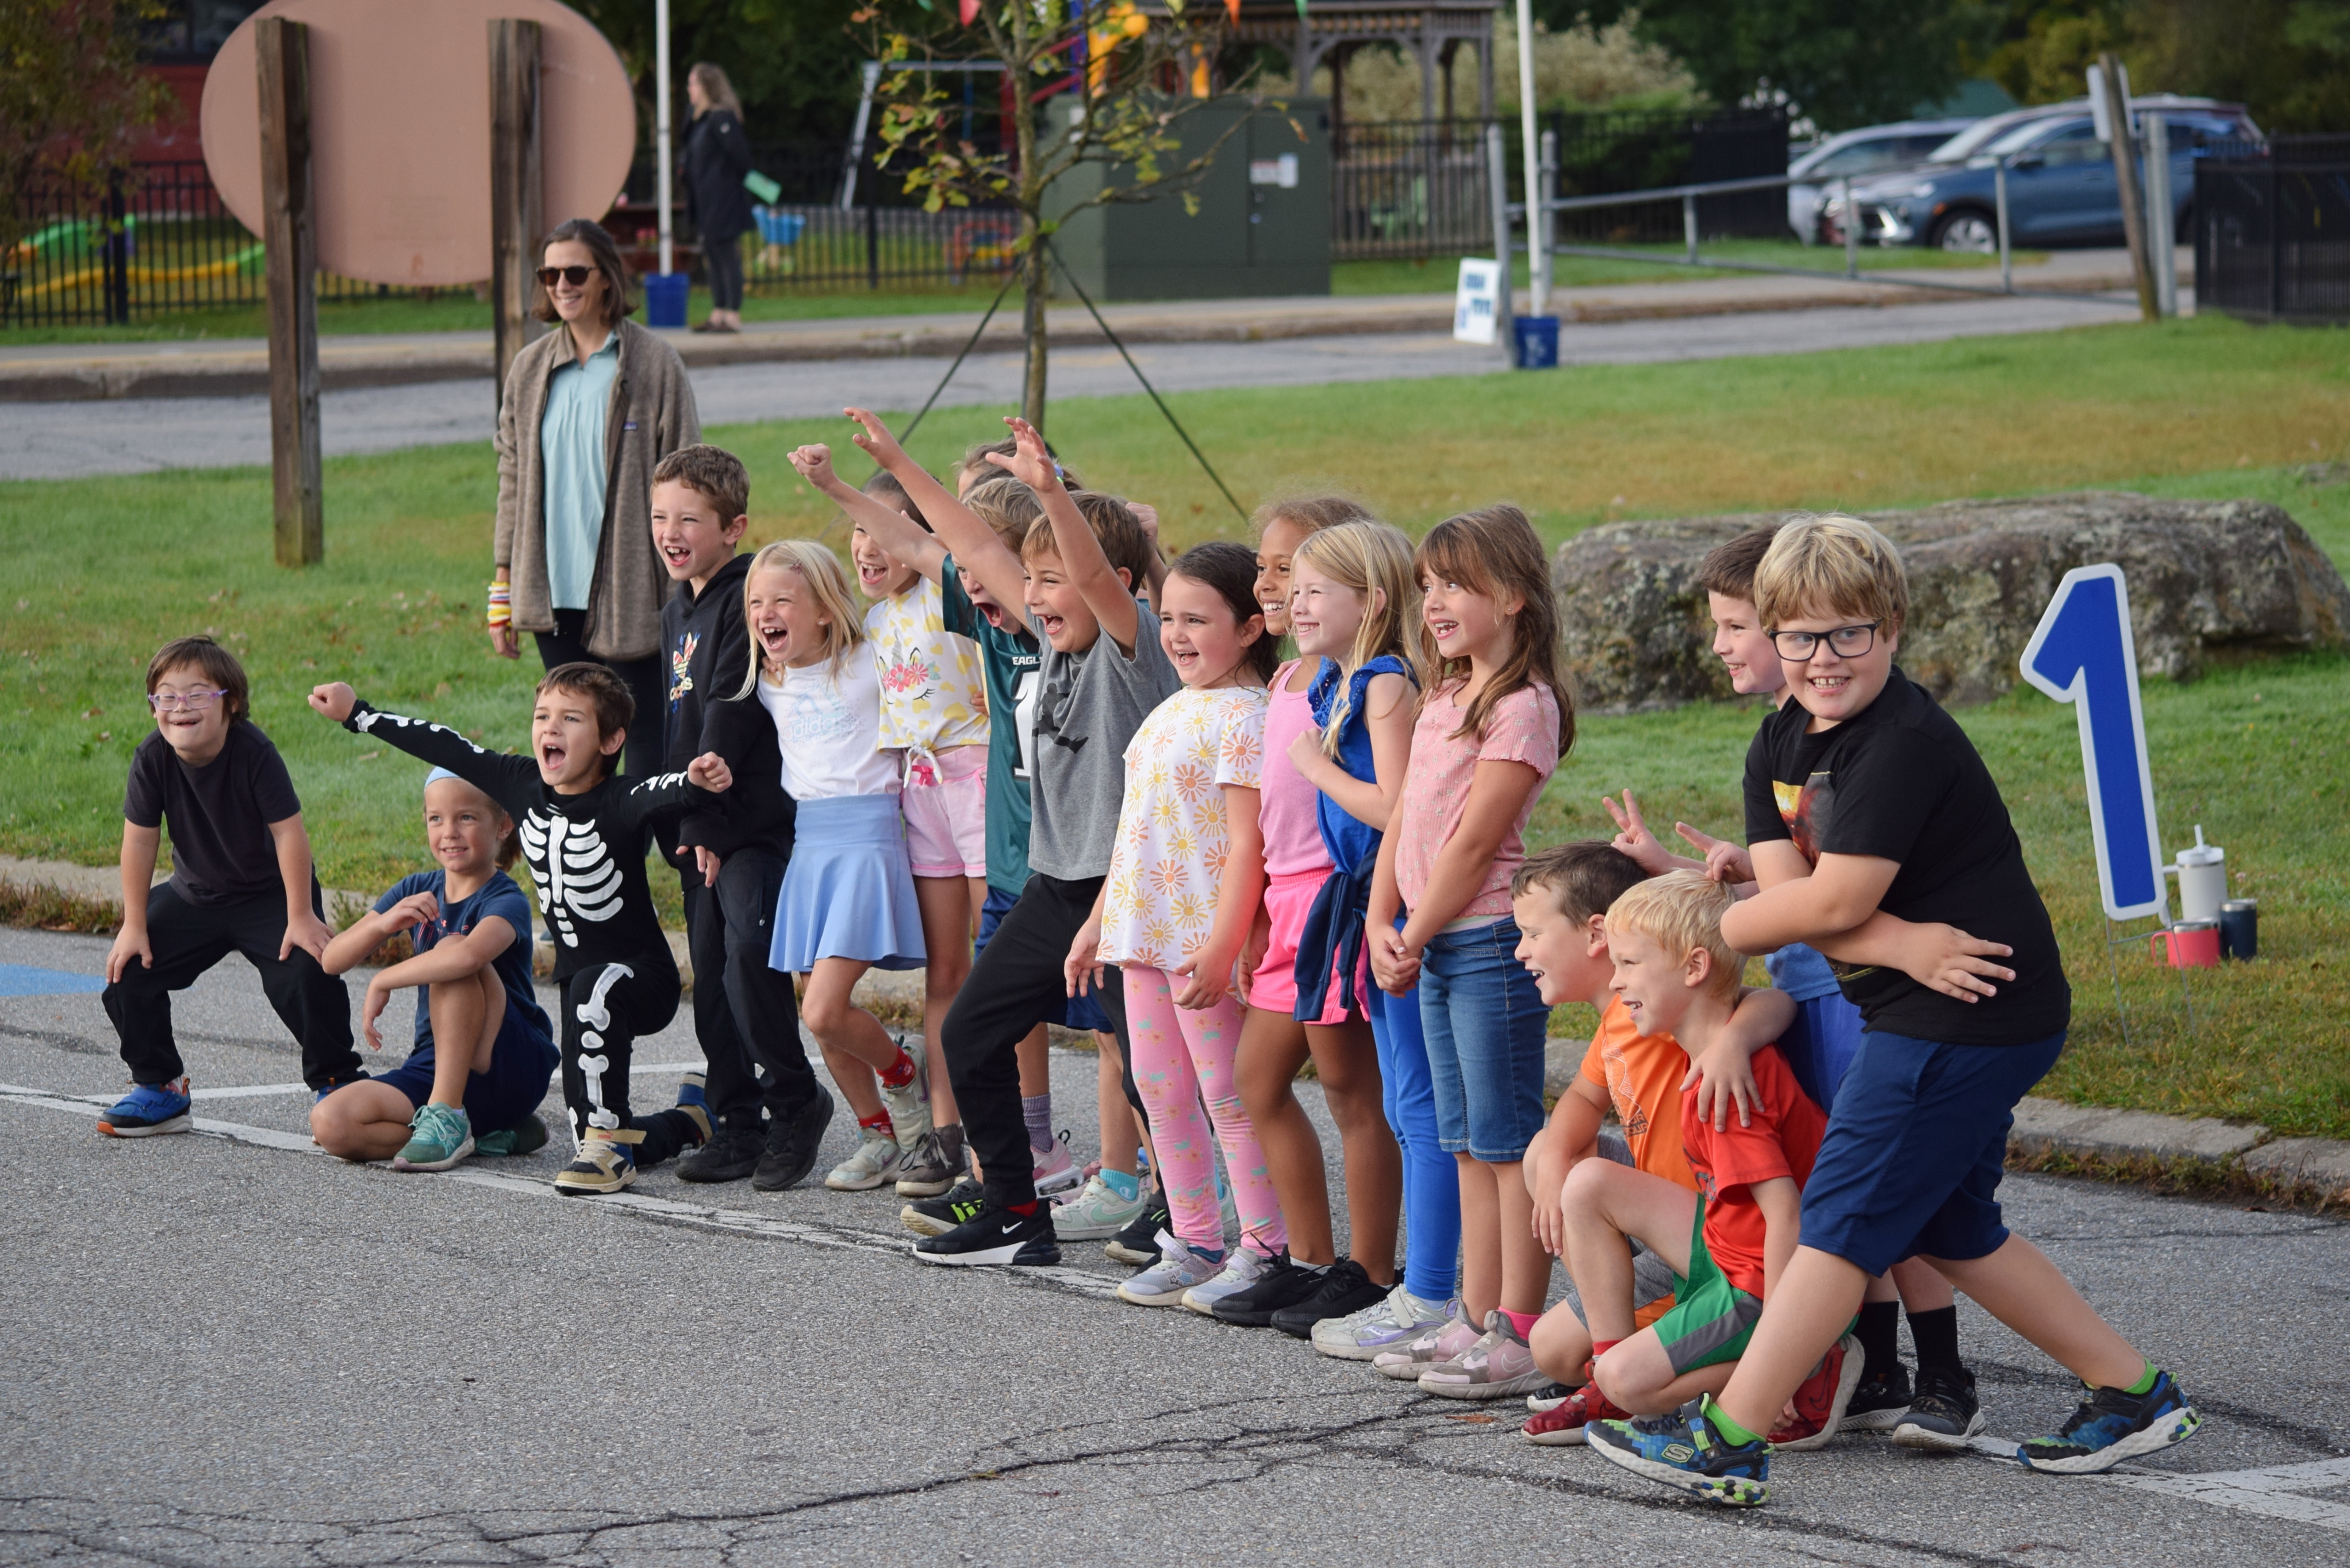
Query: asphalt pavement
column 229, row 1348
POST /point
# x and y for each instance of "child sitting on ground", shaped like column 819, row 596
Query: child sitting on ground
column 240, row 882
column 470, row 925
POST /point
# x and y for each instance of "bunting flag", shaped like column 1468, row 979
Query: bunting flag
column 1234, row 7
column 970, row 9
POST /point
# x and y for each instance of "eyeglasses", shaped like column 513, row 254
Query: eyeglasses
column 193, row 701
column 1847, row 641
column 576, row 277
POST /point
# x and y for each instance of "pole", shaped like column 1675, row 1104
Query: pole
column 2161, row 222
column 852, row 159
column 2006, row 258
column 516, row 201
column 662, row 171
column 1851, row 232
column 1689, row 227
column 1549, row 220
column 1497, row 185
column 118, row 251
column 1538, row 274
column 2124, row 146
column 290, row 241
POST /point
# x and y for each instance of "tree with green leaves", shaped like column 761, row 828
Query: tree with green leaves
column 793, row 62
column 2287, row 61
column 73, row 100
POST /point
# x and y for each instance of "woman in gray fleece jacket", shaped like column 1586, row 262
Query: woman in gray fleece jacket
column 587, row 413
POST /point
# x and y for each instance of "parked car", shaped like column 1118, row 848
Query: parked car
column 1952, row 153
column 1871, row 150
column 2061, row 189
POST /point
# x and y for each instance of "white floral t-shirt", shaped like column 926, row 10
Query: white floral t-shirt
column 1172, row 842
column 934, row 692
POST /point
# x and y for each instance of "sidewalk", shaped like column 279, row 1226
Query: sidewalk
column 240, row 367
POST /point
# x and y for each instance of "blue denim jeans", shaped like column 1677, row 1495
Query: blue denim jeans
column 1486, row 1023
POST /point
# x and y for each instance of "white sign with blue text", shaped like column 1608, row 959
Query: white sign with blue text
column 1476, row 303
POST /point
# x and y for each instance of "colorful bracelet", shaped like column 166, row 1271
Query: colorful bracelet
column 501, row 604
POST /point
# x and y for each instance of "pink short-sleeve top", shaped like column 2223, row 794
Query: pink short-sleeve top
column 1523, row 728
column 1285, row 802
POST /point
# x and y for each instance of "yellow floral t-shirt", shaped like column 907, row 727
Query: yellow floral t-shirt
column 1173, row 841
column 934, row 692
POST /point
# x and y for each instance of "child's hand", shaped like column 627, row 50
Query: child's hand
column 370, row 1008
column 1083, row 967
column 334, row 701
column 1307, row 756
column 1724, row 1073
column 1395, row 963
column 416, row 910
column 876, row 442
column 1954, row 963
column 1547, row 1188
column 813, row 463
column 1205, row 982
column 1031, row 464
column 1634, row 838
column 1253, row 951
column 1726, row 860
column 711, row 773
column 1147, row 515
column 707, row 863
column 307, row 932
column 129, row 942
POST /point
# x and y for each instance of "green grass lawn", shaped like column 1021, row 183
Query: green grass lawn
column 98, row 572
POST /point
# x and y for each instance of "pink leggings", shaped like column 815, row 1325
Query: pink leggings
column 1181, row 1057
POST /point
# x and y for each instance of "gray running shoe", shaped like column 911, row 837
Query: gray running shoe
column 1387, row 1324
column 923, row 1168
column 1177, row 1270
column 874, row 1159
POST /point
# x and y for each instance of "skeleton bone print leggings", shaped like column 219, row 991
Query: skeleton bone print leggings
column 605, row 1007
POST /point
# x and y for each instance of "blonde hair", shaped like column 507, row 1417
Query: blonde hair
column 1682, row 912
column 1311, row 512
column 1366, row 557
column 1833, row 565
column 1496, row 552
column 1006, row 506
column 820, row 569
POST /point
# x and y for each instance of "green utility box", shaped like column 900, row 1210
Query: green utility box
column 1263, row 226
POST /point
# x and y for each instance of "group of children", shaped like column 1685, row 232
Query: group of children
column 1076, row 784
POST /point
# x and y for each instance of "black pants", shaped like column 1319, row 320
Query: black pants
column 187, row 939
column 743, row 1012
column 567, row 644
column 605, row 1007
column 1017, row 984
column 724, row 258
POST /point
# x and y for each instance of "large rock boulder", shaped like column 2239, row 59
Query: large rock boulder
column 2205, row 577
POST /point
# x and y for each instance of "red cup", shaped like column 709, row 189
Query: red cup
column 2191, row 944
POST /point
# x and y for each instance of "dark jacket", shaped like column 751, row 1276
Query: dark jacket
column 706, row 658
column 717, row 156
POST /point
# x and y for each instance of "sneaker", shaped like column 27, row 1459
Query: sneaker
column 1880, row 1401
column 1389, row 1323
column 692, row 1100
column 1097, row 1211
column 527, row 1135
column 151, row 1110
column 1439, row 1342
column 1283, row 1285
column 791, row 1146
column 910, row 1107
column 2111, row 1425
column 1551, row 1395
column 1243, row 1267
column 1944, row 1412
column 1822, row 1399
column 438, row 1137
column 1567, row 1422
column 1500, row 1366
column 1179, row 1267
column 868, row 1167
column 1682, row 1451
column 1346, row 1288
column 730, row 1154
column 1055, row 1172
column 605, row 1163
column 937, row 1216
column 1139, row 1242
column 925, row 1168
column 994, row 1237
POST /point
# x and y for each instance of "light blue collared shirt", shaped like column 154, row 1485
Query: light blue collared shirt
column 571, row 458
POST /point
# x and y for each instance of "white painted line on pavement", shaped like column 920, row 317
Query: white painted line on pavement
column 2272, row 1491
column 255, row 1091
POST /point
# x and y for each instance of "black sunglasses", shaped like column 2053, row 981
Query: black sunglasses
column 576, row 277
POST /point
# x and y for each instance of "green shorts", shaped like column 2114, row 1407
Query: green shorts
column 1711, row 1319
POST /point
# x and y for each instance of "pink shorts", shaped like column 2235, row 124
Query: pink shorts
column 946, row 817
column 1274, row 987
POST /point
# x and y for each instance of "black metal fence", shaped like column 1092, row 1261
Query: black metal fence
column 2273, row 229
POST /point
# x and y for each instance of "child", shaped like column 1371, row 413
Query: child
column 1491, row 727
column 471, row 929
column 1183, row 893
column 848, row 898
column 1354, row 590
column 730, row 863
column 240, row 882
column 1101, row 675
column 1862, row 795
column 585, row 833
column 1560, row 899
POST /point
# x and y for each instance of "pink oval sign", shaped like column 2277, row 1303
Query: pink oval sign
column 399, row 127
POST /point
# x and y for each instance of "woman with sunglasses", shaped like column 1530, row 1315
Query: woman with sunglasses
column 586, row 414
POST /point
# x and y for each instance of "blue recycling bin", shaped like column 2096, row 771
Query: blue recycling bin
column 665, row 303
column 1537, row 342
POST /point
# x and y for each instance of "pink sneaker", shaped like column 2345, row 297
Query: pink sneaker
column 1055, row 1172
column 1448, row 1339
column 1497, row 1367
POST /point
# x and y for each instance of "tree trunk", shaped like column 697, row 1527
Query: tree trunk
column 1035, row 283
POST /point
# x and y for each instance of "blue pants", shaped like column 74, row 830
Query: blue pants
column 1431, row 1188
column 1486, row 1025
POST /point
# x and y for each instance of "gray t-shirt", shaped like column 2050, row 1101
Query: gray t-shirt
column 1088, row 706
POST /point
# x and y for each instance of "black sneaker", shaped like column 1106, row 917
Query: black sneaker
column 937, row 1216
column 1944, row 1412
column 791, row 1146
column 1880, row 1401
column 1286, row 1283
column 1548, row 1397
column 732, row 1154
column 994, row 1238
column 1139, row 1242
column 2111, row 1425
column 1344, row 1288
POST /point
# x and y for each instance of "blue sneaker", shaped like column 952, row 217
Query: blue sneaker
column 2111, row 1425
column 150, row 1110
column 1682, row 1451
column 694, row 1101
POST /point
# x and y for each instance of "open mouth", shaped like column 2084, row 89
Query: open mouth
column 870, row 575
column 1444, row 630
column 677, row 557
column 772, row 640
column 1053, row 625
column 994, row 614
column 1829, row 685
column 552, row 755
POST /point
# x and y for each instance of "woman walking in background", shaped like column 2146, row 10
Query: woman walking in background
column 717, row 156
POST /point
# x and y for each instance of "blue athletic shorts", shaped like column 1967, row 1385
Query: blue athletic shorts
column 1916, row 1146
column 1821, row 1044
column 1078, row 1011
column 521, row 1063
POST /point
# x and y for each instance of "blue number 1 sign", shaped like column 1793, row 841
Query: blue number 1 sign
column 2082, row 653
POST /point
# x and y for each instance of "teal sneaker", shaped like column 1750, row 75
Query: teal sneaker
column 2111, row 1425
column 439, row 1137
column 1682, row 1451
column 525, row 1137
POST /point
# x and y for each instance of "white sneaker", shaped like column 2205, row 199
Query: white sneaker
column 875, row 1161
column 910, row 1107
column 1244, row 1266
column 1442, row 1342
column 1179, row 1269
column 1055, row 1172
column 1384, row 1325
column 1096, row 1212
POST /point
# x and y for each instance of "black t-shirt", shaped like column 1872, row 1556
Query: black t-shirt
column 1899, row 781
column 218, row 815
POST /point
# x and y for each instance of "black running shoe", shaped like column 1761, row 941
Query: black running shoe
column 2111, row 1425
column 791, row 1146
column 994, row 1237
column 1944, row 1412
column 1286, row 1283
column 1139, row 1242
column 1880, row 1401
column 937, row 1216
column 1344, row 1288
column 732, row 1154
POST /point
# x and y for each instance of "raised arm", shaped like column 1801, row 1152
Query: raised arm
column 892, row 529
column 1105, row 594
column 971, row 543
column 512, row 782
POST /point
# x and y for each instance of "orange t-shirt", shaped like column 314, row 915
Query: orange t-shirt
column 1643, row 1078
column 1783, row 1139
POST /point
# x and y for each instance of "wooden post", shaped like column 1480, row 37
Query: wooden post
column 517, row 215
column 2124, row 147
column 289, row 234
